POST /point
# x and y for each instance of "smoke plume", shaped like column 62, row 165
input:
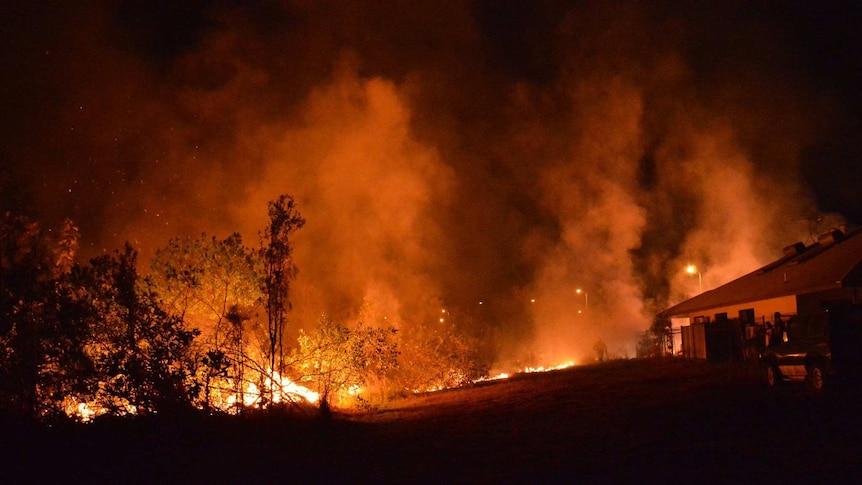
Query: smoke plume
column 490, row 159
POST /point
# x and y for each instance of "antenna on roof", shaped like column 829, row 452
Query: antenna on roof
column 813, row 225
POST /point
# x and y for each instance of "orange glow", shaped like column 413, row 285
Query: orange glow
column 502, row 375
column 283, row 390
column 82, row 411
column 527, row 370
column 564, row 365
column 411, row 204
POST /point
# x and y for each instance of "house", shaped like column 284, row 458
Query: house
column 734, row 320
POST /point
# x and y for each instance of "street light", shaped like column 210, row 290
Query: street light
column 692, row 269
column 586, row 297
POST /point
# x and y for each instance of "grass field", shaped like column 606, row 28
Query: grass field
column 617, row 422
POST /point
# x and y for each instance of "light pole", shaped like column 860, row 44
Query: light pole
column 586, row 298
column 692, row 269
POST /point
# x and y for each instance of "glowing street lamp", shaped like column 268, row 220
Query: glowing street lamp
column 692, row 269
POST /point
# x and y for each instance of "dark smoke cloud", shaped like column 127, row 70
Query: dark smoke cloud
column 446, row 154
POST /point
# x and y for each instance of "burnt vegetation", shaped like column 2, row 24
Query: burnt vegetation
column 185, row 375
column 205, row 331
column 626, row 420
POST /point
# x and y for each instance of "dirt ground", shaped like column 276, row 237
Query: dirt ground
column 623, row 421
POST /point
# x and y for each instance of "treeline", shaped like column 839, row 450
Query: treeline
column 205, row 329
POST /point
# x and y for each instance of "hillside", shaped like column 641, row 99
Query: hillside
column 626, row 420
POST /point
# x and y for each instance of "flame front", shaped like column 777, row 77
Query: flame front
column 281, row 388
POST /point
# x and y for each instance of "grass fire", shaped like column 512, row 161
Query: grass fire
column 318, row 217
column 205, row 329
column 202, row 330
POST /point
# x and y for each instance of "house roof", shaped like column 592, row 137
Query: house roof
column 834, row 261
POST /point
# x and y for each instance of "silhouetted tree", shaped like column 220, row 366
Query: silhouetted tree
column 656, row 340
column 237, row 320
column 279, row 270
column 376, row 354
column 140, row 352
column 39, row 342
column 213, row 285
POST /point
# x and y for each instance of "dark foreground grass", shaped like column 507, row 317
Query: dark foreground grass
column 624, row 421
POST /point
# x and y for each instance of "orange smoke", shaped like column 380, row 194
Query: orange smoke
column 441, row 155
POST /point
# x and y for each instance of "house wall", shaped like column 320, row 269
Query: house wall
column 764, row 310
column 694, row 335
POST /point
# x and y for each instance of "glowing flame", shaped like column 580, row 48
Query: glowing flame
column 502, row 375
column 506, row 375
column 527, row 370
column 288, row 388
column 82, row 411
column 564, row 365
column 281, row 388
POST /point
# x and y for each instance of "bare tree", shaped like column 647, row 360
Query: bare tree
column 277, row 256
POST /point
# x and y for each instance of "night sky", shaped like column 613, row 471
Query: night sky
column 446, row 153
